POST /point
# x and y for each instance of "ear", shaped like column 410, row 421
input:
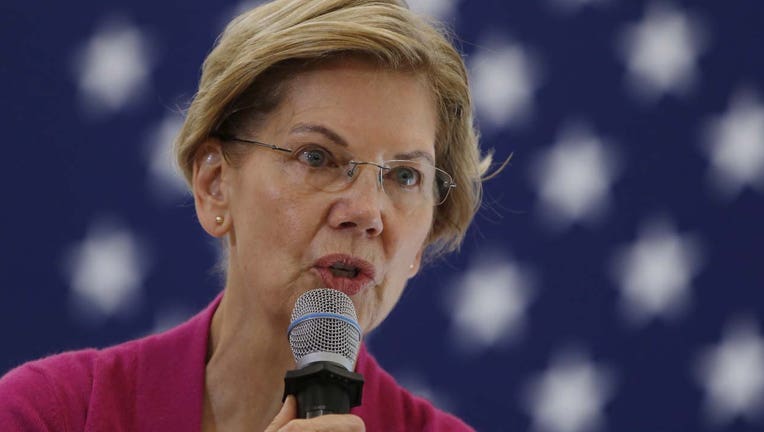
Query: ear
column 210, row 189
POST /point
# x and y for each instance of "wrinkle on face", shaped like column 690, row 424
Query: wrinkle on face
column 281, row 231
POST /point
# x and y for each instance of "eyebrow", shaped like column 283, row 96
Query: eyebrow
column 337, row 139
column 323, row 130
column 415, row 155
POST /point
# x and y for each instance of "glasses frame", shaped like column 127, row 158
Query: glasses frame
column 447, row 185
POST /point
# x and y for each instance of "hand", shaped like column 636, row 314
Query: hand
column 286, row 421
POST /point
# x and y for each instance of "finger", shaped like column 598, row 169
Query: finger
column 329, row 423
column 287, row 413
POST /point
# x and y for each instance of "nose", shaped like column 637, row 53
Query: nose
column 358, row 208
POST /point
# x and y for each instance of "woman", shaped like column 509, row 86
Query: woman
column 311, row 151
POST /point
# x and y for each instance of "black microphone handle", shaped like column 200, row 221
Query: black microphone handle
column 323, row 388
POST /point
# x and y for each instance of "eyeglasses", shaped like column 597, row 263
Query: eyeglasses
column 408, row 183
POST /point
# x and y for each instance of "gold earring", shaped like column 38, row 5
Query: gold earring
column 219, row 220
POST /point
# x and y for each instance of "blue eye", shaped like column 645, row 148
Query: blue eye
column 405, row 176
column 315, row 157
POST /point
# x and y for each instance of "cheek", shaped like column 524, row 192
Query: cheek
column 373, row 309
column 411, row 236
column 272, row 230
column 267, row 215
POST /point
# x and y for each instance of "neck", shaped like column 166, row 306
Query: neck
column 246, row 363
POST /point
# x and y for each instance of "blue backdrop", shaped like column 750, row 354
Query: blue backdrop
column 611, row 281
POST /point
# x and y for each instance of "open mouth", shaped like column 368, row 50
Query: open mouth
column 344, row 270
column 345, row 273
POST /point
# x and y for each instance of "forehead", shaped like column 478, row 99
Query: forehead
column 360, row 102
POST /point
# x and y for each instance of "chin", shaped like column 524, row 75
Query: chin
column 371, row 315
column 366, row 315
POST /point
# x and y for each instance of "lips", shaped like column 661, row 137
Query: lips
column 345, row 273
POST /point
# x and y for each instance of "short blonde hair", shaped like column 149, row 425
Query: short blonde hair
column 263, row 48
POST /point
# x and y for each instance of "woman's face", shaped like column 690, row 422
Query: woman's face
column 287, row 237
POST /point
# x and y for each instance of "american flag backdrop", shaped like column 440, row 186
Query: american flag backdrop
column 612, row 280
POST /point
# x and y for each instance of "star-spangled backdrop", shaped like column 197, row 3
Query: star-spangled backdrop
column 612, row 280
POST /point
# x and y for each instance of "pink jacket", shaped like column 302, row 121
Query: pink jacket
column 156, row 384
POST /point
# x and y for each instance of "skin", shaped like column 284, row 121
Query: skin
column 277, row 231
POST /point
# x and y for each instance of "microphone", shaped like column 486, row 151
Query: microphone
column 325, row 338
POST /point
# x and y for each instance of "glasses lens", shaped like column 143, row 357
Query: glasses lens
column 409, row 184
column 323, row 168
column 413, row 183
column 443, row 185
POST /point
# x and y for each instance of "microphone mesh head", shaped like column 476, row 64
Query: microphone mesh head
column 325, row 327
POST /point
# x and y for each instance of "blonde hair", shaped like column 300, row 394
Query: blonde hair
column 263, row 48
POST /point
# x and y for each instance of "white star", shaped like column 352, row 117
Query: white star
column 112, row 68
column 732, row 374
column 489, row 302
column 165, row 180
column 654, row 273
column 735, row 145
column 570, row 395
column 443, row 10
column 573, row 178
column 661, row 51
column 504, row 78
column 106, row 271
